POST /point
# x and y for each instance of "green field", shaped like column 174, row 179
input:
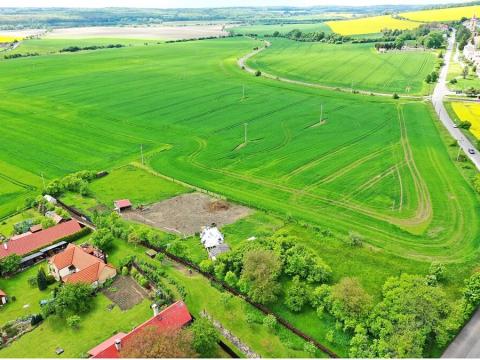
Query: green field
column 357, row 66
column 374, row 175
column 373, row 165
column 262, row 30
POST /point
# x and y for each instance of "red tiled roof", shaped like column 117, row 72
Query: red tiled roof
column 2, row 293
column 89, row 267
column 106, row 344
column 122, row 203
column 40, row 239
column 173, row 317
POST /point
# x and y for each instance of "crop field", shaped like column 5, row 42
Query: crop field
column 469, row 111
column 8, row 39
column 348, row 65
column 262, row 30
column 370, row 25
column 374, row 165
column 446, row 14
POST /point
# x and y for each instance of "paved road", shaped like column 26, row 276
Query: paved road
column 467, row 343
column 438, row 96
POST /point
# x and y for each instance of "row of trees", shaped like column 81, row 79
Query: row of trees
column 76, row 182
column 319, row 36
column 91, row 47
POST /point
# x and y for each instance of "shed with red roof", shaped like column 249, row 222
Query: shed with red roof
column 121, row 205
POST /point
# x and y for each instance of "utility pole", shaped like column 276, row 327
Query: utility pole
column 141, row 153
column 246, row 134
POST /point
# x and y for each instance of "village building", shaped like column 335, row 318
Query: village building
column 173, row 317
column 50, row 199
column 36, row 228
column 3, row 297
column 27, row 243
column 81, row 265
column 471, row 50
column 122, row 205
column 213, row 241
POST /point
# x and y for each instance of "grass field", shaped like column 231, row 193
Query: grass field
column 446, row 14
column 469, row 111
column 365, row 168
column 262, row 30
column 345, row 65
column 369, row 25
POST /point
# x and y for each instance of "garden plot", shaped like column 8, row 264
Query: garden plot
column 125, row 292
column 187, row 213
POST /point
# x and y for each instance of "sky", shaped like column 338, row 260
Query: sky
column 204, row 3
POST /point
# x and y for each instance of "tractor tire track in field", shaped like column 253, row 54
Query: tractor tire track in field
column 18, row 183
column 325, row 156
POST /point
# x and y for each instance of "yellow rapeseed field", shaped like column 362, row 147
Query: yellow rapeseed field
column 447, row 14
column 369, row 25
column 469, row 111
column 6, row 39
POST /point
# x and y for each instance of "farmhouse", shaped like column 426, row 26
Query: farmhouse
column 122, row 205
column 213, row 240
column 30, row 241
column 78, row 265
column 173, row 317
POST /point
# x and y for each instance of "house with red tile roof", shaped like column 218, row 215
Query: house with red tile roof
column 75, row 265
column 171, row 318
column 29, row 242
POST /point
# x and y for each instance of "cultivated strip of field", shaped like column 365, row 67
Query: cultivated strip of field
column 139, row 32
column 369, row 25
column 445, row 14
column 347, row 67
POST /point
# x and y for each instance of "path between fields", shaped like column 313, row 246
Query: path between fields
column 467, row 343
column 242, row 63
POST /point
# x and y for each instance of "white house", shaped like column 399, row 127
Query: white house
column 211, row 237
column 213, row 240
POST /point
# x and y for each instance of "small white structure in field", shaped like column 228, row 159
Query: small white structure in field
column 50, row 199
column 213, row 240
column 211, row 237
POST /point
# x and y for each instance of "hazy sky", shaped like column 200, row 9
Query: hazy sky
column 203, row 3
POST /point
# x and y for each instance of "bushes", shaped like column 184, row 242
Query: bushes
column 10, row 264
column 258, row 73
column 36, row 319
column 77, row 182
column 270, row 322
column 296, row 295
column 42, row 282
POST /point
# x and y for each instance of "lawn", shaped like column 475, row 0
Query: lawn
column 95, row 327
column 136, row 184
column 370, row 25
column 357, row 66
column 446, row 14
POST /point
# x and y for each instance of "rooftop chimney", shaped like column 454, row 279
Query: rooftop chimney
column 118, row 344
column 155, row 309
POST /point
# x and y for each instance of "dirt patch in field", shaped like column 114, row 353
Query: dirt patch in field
column 139, row 32
column 125, row 292
column 187, row 213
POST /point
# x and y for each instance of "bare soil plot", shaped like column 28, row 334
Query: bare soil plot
column 125, row 292
column 186, row 214
column 139, row 32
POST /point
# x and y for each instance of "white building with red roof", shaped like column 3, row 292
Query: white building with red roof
column 75, row 265
column 173, row 317
column 121, row 205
